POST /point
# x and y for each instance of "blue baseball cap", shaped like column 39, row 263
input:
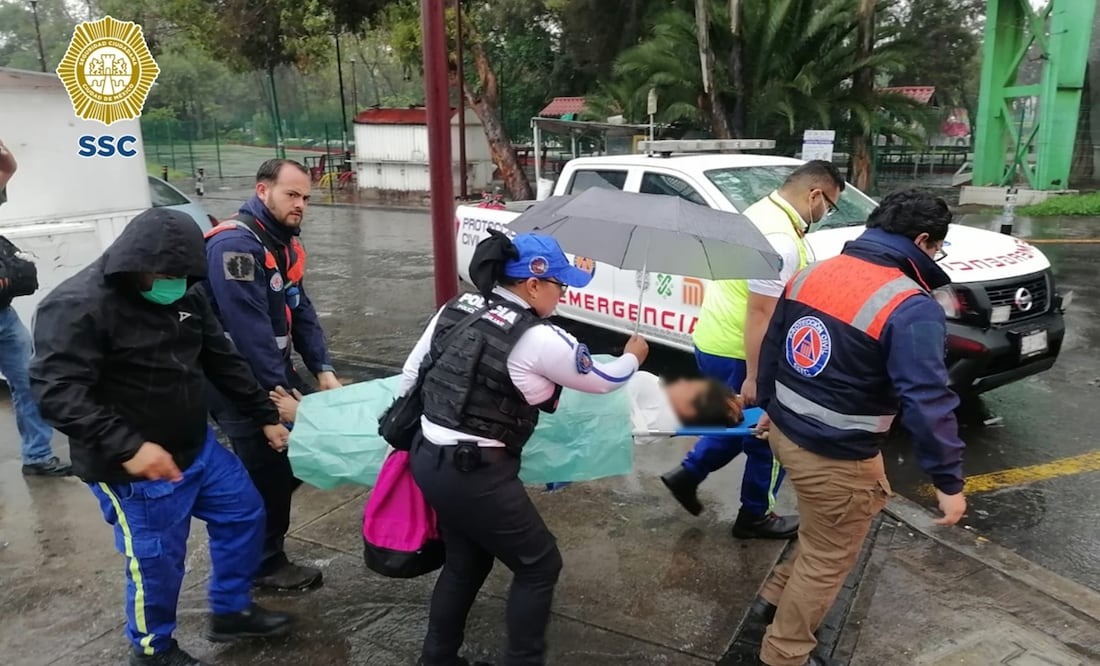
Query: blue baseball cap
column 541, row 257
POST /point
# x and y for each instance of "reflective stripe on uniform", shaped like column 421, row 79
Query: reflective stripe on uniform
column 135, row 571
column 796, row 283
column 282, row 341
column 868, row 318
column 805, row 407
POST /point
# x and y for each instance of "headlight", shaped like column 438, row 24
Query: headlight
column 949, row 301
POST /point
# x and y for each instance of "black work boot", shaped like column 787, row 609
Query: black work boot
column 763, row 610
column 818, row 660
column 253, row 622
column 289, row 577
column 173, row 656
column 461, row 661
column 51, row 467
column 771, row 526
column 685, row 488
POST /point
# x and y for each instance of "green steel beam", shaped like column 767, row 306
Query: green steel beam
column 1004, row 148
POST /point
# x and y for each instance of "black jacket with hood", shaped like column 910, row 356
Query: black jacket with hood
column 112, row 370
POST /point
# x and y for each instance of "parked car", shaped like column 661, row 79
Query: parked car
column 165, row 195
column 1003, row 309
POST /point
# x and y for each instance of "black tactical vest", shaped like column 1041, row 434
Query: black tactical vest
column 469, row 388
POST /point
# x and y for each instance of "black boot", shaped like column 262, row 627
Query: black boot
column 771, row 526
column 173, row 656
column 817, row 660
column 684, row 487
column 762, row 610
column 254, row 622
column 52, row 467
column 288, row 577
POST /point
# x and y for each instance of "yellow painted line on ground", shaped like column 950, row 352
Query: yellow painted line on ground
column 1063, row 241
column 1022, row 476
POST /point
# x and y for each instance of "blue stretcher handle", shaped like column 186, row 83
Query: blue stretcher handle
column 752, row 417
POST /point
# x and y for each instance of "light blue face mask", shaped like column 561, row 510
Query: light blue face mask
column 166, row 291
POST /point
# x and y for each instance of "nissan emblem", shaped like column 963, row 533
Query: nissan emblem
column 1024, row 300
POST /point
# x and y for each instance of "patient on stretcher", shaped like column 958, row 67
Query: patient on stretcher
column 654, row 404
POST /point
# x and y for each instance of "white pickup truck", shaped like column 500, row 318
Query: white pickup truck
column 1004, row 314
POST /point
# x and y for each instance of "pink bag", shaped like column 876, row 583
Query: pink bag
column 400, row 538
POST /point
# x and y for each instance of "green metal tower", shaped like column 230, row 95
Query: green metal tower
column 1029, row 130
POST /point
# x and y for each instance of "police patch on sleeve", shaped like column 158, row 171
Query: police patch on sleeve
column 808, row 346
column 239, row 266
column 584, row 359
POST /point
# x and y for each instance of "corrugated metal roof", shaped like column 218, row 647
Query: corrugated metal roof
column 416, row 115
column 559, row 106
column 919, row 94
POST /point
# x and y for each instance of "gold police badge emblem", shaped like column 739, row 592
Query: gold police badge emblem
column 108, row 70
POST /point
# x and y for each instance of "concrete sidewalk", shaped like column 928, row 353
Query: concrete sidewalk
column 644, row 583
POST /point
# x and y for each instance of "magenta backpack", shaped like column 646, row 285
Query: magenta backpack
column 400, row 538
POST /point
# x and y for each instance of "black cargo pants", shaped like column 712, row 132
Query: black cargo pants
column 485, row 515
column 270, row 470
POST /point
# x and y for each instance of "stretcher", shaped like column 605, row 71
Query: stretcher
column 746, row 429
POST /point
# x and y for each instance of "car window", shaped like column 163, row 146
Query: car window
column 659, row 183
column 584, row 179
column 745, row 186
column 164, row 194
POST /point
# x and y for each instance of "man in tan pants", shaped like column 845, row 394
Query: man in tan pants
column 853, row 339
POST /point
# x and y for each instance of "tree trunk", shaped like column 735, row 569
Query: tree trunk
column 863, row 86
column 737, row 71
column 487, row 107
column 719, row 123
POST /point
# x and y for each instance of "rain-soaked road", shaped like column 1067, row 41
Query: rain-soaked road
column 371, row 274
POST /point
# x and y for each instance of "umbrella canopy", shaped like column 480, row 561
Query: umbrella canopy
column 654, row 232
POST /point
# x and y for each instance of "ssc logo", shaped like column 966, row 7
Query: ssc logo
column 808, row 346
column 538, row 266
column 276, row 282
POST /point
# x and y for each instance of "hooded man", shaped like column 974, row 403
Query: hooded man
column 123, row 352
column 256, row 268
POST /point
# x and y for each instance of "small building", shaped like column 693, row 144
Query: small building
column 391, row 153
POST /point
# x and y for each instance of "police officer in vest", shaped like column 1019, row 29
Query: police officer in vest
column 854, row 339
column 256, row 268
column 482, row 400
column 727, row 338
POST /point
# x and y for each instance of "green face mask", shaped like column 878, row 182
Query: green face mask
column 166, row 291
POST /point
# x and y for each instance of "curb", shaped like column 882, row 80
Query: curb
column 1079, row 598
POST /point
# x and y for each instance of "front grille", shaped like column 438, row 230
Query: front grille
column 1005, row 295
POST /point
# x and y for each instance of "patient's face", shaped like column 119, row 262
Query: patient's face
column 683, row 394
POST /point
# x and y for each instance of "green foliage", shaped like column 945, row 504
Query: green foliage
column 799, row 60
column 1065, row 205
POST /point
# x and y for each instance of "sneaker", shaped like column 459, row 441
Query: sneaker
column 771, row 526
column 684, row 487
column 173, row 656
column 51, row 467
column 289, row 577
column 253, row 622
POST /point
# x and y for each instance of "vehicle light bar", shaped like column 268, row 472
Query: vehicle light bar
column 704, row 145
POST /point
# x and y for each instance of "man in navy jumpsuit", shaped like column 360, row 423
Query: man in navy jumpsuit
column 124, row 352
column 256, row 267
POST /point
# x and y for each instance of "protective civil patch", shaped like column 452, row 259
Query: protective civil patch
column 239, row 266
column 276, row 283
column 584, row 360
column 809, row 346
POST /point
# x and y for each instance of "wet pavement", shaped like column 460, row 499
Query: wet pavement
column 644, row 582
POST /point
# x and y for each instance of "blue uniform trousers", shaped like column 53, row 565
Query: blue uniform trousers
column 152, row 520
column 763, row 473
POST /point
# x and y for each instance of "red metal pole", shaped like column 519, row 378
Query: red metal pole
column 437, row 97
column 461, row 99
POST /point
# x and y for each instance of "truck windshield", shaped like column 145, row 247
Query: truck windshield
column 744, row 186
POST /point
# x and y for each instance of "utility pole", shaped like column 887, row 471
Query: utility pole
column 38, row 35
column 460, row 56
column 354, row 91
column 343, row 103
column 433, row 26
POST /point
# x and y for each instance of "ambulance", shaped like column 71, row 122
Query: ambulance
column 1004, row 313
